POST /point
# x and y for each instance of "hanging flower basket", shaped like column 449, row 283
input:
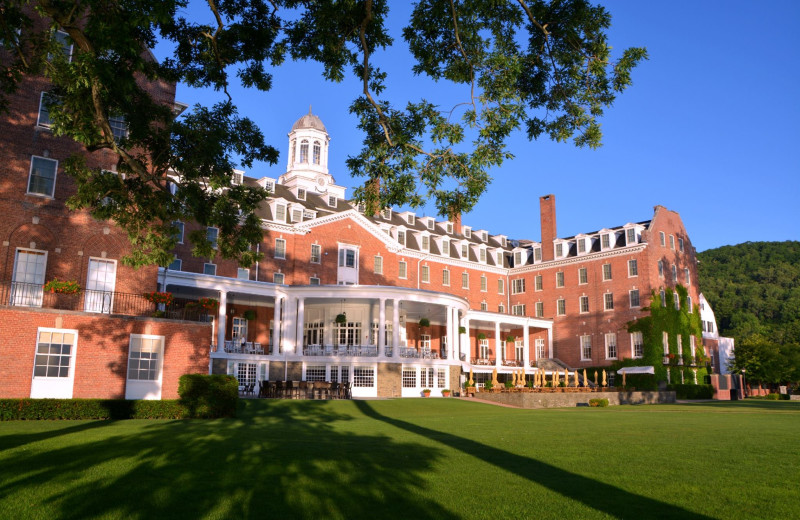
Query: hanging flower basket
column 481, row 335
column 249, row 314
column 341, row 318
column 158, row 297
column 462, row 330
column 57, row 286
column 510, row 339
column 208, row 304
column 424, row 322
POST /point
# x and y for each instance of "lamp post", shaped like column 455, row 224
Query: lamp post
column 744, row 383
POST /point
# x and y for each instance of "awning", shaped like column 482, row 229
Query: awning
column 636, row 370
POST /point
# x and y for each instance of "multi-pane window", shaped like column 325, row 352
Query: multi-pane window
column 582, row 276
column 674, row 273
column 317, row 151
column 211, row 235
column 441, row 377
column 686, row 276
column 586, row 347
column 539, row 309
column 637, row 340
column 501, row 286
column 332, row 201
column 119, row 127
column 426, row 243
column 446, row 277
column 518, row 286
column 210, row 269
column 42, row 177
column 176, row 265
column 243, row 273
column 465, row 280
column 301, row 194
column 584, row 302
column 315, row 373
column 63, row 39
column 559, row 250
column 45, row 102
column 581, row 245
column 347, row 257
column 280, row 248
column 483, row 348
column 689, row 303
column 665, row 342
column 517, row 258
column 484, row 306
column 677, row 301
column 445, row 248
column 297, row 215
column 680, row 244
column 464, row 251
column 144, row 357
column 662, row 238
column 500, row 258
column 561, row 307
column 692, row 347
column 537, row 282
column 605, row 241
column 611, row 346
column 672, row 241
column 482, row 255
column 539, row 343
column 631, row 236
column 468, row 232
column 560, row 279
column 608, row 301
column 426, row 274
column 363, row 377
column 304, row 151
column 278, row 278
column 347, row 334
column 663, row 298
column 537, row 254
column 401, row 237
column 177, row 225
column 634, row 297
column 430, row 224
column 54, row 351
column 633, row 267
column 378, row 261
column 314, row 331
column 280, row 213
column 501, row 308
column 402, row 269
column 450, row 227
column 316, row 253
column 518, row 310
column 483, row 283
column 409, row 378
column 606, row 271
column 660, row 269
column 313, row 280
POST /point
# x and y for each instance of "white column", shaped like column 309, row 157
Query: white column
column 464, row 347
column 276, row 327
column 452, row 331
column 300, row 332
column 497, row 344
column 550, row 341
column 289, row 330
column 382, row 327
column 526, row 346
column 221, row 320
column 395, row 327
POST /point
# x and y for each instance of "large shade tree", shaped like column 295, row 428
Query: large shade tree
column 540, row 67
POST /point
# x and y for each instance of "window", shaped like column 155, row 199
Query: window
column 378, row 263
column 581, row 245
column 347, row 334
column 426, row 274
column 631, row 236
column 316, row 253
column 45, row 102
column 465, row 280
column 119, row 128
column 347, row 257
column 243, row 274
column 559, row 250
column 611, row 346
column 315, row 373
column 537, row 254
column 483, row 348
column 144, row 357
column 464, row 251
column 450, row 228
column 561, row 307
column 686, row 277
column 484, row 236
column 63, row 39
column 501, row 308
column 483, row 283
column 363, row 377
column 301, row 194
column 638, row 344
column 677, row 301
column 538, row 283
column 500, row 258
column 401, row 237
column 606, row 271
column 332, row 201
column 280, row 213
column 586, row 348
column 297, row 215
column 468, row 232
column 660, row 269
column 584, row 301
column 402, row 270
column 517, row 258
column 633, row 267
column 304, row 151
column 672, row 241
column 54, row 351
column 539, row 309
column 582, row 276
column 176, row 265
column 211, row 235
column 410, row 220
column 634, row 297
column 674, row 273
column 178, row 226
column 430, row 224
column 518, row 286
column 42, row 177
column 605, row 241
column 482, row 253
column 560, row 279
column 280, row 248
column 608, row 301
column 308, row 214
column 484, row 306
column 426, row 243
column 539, row 342
column 680, row 244
column 665, row 342
column 501, row 286
column 317, row 151
column 662, row 238
column 313, row 280
column 689, row 303
column 445, row 248
column 518, row 310
column 663, row 298
column 692, row 346
column 409, row 378
column 210, row 269
column 446, row 277
column 278, row 278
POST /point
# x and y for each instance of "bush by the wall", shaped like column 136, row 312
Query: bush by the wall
column 598, row 403
column 209, row 396
column 692, row 391
column 773, row 397
column 36, row 409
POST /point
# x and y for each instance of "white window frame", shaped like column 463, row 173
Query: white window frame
column 278, row 278
column 57, row 387
column 215, row 235
column 446, row 277
column 39, row 122
column 242, row 273
column 402, row 270
column 607, row 273
column 145, row 388
column 316, row 258
column 501, row 286
column 378, row 264
column 425, row 274
column 638, row 298
column 465, row 280
column 213, row 268
column 611, row 342
column 559, row 279
column 484, row 283
column 637, row 340
column 561, row 307
column 633, row 268
column 583, row 276
column 280, row 212
column 280, row 248
column 518, row 286
column 608, row 301
column 581, row 301
column 586, row 347
column 180, row 227
column 51, row 194
column 539, row 309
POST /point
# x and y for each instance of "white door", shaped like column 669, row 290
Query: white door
column 348, row 266
column 100, row 285
column 28, row 278
column 539, row 349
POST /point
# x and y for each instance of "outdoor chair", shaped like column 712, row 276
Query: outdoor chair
column 302, row 389
column 335, row 391
column 280, row 389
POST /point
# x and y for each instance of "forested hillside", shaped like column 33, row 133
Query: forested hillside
column 754, row 289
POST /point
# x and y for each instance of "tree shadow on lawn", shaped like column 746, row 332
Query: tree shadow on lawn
column 280, row 460
column 749, row 405
column 598, row 495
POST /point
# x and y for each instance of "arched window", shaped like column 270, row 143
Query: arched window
column 294, row 144
column 317, row 152
column 303, row 151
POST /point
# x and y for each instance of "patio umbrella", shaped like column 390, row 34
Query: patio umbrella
column 604, row 378
column 576, row 379
column 555, row 378
column 595, row 378
column 471, row 382
column 514, row 378
column 494, row 378
column 623, row 379
column 585, row 380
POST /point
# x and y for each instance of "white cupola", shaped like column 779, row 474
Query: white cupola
column 307, row 165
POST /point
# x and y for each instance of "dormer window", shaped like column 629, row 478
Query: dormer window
column 410, row 220
column 426, row 243
column 482, row 255
column 537, row 254
column 401, row 237
column 559, row 250
column 386, row 213
column 430, row 224
column 361, row 207
column 317, row 152
column 630, row 236
column 517, row 258
column 309, row 214
column 605, row 241
column 280, row 213
column 484, row 236
column 450, row 228
column 465, row 251
column 237, row 178
column 301, row 194
column 332, row 201
column 581, row 245
column 503, row 241
column 304, row 151
column 269, row 186
column 445, row 247
column 297, row 215
column 467, row 232
column 500, row 258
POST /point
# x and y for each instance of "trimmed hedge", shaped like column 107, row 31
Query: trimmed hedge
column 36, row 409
column 209, row 396
column 598, row 403
column 692, row 391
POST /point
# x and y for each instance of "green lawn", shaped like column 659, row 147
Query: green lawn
column 420, row 458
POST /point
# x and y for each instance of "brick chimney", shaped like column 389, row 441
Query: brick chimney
column 455, row 218
column 547, row 212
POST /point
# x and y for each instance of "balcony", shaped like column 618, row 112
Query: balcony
column 29, row 295
column 342, row 350
column 483, row 361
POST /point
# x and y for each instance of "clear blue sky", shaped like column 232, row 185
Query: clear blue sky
column 710, row 128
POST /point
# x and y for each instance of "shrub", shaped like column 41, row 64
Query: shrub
column 509, row 384
column 773, row 397
column 59, row 286
column 487, row 385
column 209, row 396
column 598, row 403
column 37, row 409
column 692, row 391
